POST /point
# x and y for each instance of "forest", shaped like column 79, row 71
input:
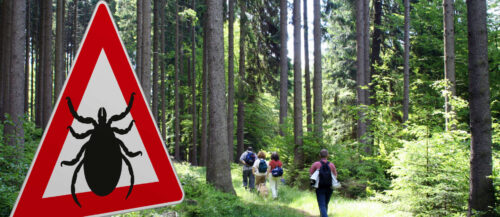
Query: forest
column 404, row 94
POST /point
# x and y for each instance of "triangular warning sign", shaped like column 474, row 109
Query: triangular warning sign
column 101, row 152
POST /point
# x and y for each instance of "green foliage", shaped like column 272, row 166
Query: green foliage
column 14, row 164
column 431, row 174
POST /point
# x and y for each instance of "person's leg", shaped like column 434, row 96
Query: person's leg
column 251, row 180
column 321, row 197
column 245, row 178
column 328, row 195
column 274, row 186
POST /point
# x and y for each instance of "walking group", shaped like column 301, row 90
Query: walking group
column 256, row 170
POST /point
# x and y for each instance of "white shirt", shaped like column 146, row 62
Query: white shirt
column 256, row 166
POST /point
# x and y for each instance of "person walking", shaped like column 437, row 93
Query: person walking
column 259, row 169
column 248, row 158
column 275, row 172
column 324, row 190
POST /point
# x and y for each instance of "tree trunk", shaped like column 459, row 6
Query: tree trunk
column 140, row 18
column 283, row 63
column 162, row 68
column 297, row 88
column 366, row 35
column 194, row 149
column 406, row 96
column 481, row 195
column 176, row 86
column 377, row 35
column 218, row 168
column 26, row 59
column 203, row 148
column 230, row 82
column 156, row 61
column 59, row 73
column 146, row 47
column 317, row 83
column 15, row 132
column 241, row 90
column 75, row 31
column 449, row 55
column 46, row 61
column 307, row 73
column 6, row 57
column 360, row 67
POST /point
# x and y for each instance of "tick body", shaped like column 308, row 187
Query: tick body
column 103, row 154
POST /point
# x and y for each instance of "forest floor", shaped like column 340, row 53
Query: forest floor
column 201, row 200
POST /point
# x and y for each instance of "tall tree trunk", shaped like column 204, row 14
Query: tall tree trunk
column 377, row 35
column 140, row 21
column 204, row 133
column 230, row 82
column 297, row 88
column 26, row 59
column 406, row 95
column 146, row 47
column 317, row 83
column 481, row 195
column 176, row 86
column 367, row 74
column 194, row 149
column 59, row 73
column 218, row 168
column 162, row 68
column 307, row 74
column 360, row 67
column 75, row 31
column 46, row 60
column 241, row 100
column 156, row 51
column 449, row 55
column 15, row 132
column 7, row 23
column 283, row 63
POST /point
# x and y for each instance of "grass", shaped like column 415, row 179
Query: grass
column 203, row 200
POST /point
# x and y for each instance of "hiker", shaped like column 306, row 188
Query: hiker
column 247, row 159
column 324, row 190
column 260, row 169
column 275, row 172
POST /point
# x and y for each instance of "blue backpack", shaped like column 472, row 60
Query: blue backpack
column 325, row 175
column 262, row 166
column 277, row 171
column 250, row 158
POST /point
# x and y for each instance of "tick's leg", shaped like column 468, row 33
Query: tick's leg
column 73, row 182
column 123, row 114
column 79, row 135
column 123, row 131
column 85, row 120
column 127, row 152
column 131, row 175
column 77, row 158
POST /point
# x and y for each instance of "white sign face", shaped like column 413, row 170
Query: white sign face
column 102, row 91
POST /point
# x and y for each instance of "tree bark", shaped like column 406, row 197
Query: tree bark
column 241, row 90
column 6, row 57
column 377, row 35
column 360, row 68
column 26, row 60
column 230, row 81
column 307, row 74
column 59, row 73
column 146, row 53
column 156, row 51
column 283, row 64
column 297, row 88
column 317, row 83
column 194, row 149
column 46, row 61
column 140, row 18
column 176, row 86
column 449, row 55
column 162, row 68
column 406, row 95
column 15, row 132
column 218, row 168
column 204, row 133
column 481, row 195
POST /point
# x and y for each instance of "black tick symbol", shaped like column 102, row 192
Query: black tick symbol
column 102, row 161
